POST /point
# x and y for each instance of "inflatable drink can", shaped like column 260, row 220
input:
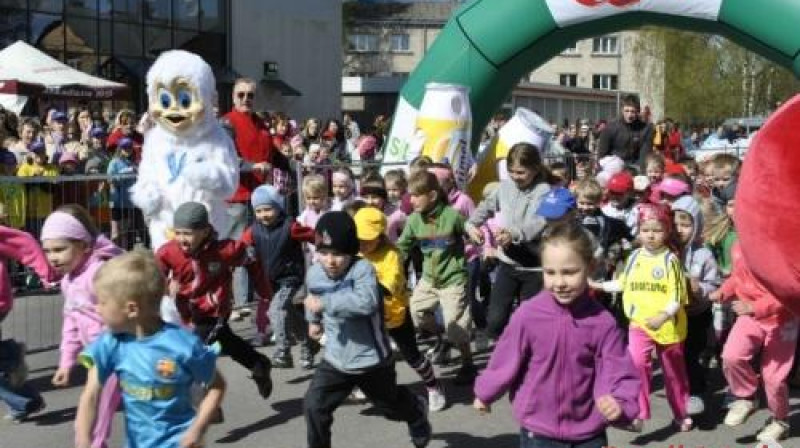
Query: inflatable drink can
column 525, row 126
column 444, row 128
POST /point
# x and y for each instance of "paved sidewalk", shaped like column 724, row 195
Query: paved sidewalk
column 251, row 422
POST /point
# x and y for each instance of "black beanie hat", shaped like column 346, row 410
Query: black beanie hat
column 190, row 215
column 337, row 231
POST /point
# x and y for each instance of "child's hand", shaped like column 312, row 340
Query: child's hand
column 656, row 322
column 609, row 407
column 174, row 288
column 191, row 439
column 715, row 296
column 315, row 331
column 594, row 284
column 313, row 303
column 695, row 285
column 475, row 235
column 742, row 308
column 61, row 377
column 481, row 407
column 503, row 237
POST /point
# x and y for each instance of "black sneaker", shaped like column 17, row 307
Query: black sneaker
column 261, row 375
column 282, row 361
column 35, row 405
column 465, row 375
column 307, row 354
column 421, row 430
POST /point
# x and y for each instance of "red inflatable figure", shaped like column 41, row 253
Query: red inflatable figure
column 768, row 205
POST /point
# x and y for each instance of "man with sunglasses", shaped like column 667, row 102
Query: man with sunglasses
column 257, row 157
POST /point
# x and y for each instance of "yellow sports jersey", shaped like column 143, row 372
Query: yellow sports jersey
column 39, row 196
column 12, row 196
column 391, row 276
column 650, row 282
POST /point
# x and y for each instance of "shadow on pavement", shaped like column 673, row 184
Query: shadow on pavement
column 54, row 418
column 284, row 411
column 464, row 440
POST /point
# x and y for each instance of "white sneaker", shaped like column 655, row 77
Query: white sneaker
column 357, row 396
column 739, row 411
column 481, row 341
column 774, row 431
column 695, row 405
column 436, row 399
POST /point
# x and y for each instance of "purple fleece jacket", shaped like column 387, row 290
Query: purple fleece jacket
column 554, row 361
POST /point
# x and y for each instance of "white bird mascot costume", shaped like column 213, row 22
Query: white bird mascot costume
column 186, row 156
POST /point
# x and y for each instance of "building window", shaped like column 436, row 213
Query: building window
column 571, row 50
column 400, row 43
column 605, row 45
column 568, row 79
column 605, row 82
column 364, row 43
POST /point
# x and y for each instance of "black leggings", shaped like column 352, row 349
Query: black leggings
column 405, row 338
column 212, row 330
column 510, row 286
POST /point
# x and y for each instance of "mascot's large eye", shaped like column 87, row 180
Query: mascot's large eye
column 184, row 98
column 164, row 98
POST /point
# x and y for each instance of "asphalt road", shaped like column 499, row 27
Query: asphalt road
column 251, row 422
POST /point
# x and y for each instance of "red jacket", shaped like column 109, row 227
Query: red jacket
column 117, row 135
column 205, row 278
column 254, row 145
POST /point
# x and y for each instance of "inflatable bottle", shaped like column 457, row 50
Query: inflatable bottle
column 525, row 126
column 444, row 128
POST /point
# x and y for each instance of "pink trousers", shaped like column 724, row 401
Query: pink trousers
column 777, row 345
column 641, row 347
column 110, row 398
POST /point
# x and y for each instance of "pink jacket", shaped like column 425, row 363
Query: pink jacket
column 464, row 205
column 742, row 285
column 82, row 325
column 395, row 222
column 308, row 218
column 22, row 247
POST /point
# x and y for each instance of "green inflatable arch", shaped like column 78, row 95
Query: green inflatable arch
column 488, row 45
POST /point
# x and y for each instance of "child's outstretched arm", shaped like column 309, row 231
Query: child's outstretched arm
column 21, row 246
column 70, row 348
column 508, row 361
column 617, row 379
column 87, row 408
column 193, row 436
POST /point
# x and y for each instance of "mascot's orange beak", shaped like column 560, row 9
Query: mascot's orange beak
column 767, row 212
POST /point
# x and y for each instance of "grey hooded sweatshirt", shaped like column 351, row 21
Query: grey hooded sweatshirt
column 516, row 210
column 698, row 260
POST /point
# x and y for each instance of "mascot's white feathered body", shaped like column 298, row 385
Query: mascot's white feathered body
column 186, row 156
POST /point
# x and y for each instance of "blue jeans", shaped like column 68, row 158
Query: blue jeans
column 240, row 218
column 18, row 400
column 529, row 440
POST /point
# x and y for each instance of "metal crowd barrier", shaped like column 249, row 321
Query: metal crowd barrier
column 36, row 316
column 27, row 201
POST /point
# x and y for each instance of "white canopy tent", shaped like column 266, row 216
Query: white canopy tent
column 25, row 71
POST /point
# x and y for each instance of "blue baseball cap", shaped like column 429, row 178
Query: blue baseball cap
column 97, row 132
column 59, row 116
column 556, row 203
column 37, row 146
column 125, row 143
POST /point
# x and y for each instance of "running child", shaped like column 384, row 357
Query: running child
column 157, row 363
column 596, row 384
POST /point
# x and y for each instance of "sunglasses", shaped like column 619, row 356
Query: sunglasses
column 248, row 95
